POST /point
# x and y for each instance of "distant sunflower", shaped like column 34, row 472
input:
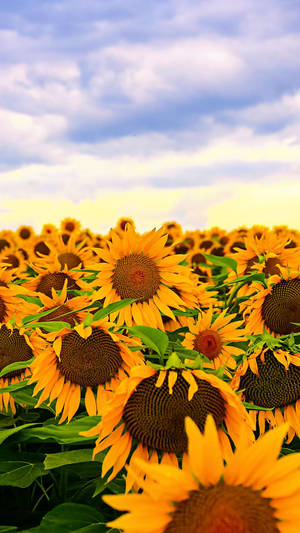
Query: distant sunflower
column 271, row 379
column 141, row 267
column 7, row 241
column 68, row 254
column 64, row 309
column 266, row 254
column 38, row 248
column 275, row 308
column 91, row 359
column 24, row 234
column 49, row 277
column 70, row 225
column 254, row 492
column 122, row 223
column 50, row 231
column 213, row 337
column 148, row 411
column 14, row 347
column 13, row 260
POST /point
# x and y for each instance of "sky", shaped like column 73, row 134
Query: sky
column 175, row 110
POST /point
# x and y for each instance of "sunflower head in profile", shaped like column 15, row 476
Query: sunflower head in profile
column 146, row 416
column 270, row 379
column 14, row 347
column 91, row 359
column 254, row 492
column 141, row 267
column 274, row 307
column 122, row 223
column 213, row 335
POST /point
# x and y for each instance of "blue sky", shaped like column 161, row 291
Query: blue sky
column 156, row 110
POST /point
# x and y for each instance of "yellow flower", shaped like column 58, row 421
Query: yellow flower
column 254, row 492
column 148, row 409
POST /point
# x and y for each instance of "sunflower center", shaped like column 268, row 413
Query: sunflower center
column 271, row 267
column 3, row 244
column 41, row 248
column 155, row 418
column 70, row 226
column 92, row 361
column 3, row 310
column 282, row 307
column 136, row 276
column 274, row 386
column 223, row 509
column 55, row 281
column 12, row 260
column 69, row 259
column 13, row 348
column 25, row 233
column 209, row 343
column 59, row 313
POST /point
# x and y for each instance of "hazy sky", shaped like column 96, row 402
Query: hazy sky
column 159, row 110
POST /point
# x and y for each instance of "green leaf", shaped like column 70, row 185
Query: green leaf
column 30, row 318
column 155, row 339
column 18, row 365
column 25, row 397
column 6, row 529
column 70, row 517
column 62, row 434
column 257, row 276
column 9, row 432
column 253, row 407
column 226, row 262
column 15, row 386
column 19, row 473
column 187, row 312
column 30, row 299
column 112, row 308
column 56, row 325
column 56, row 460
column 96, row 528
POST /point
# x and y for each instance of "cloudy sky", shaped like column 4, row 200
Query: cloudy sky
column 159, row 110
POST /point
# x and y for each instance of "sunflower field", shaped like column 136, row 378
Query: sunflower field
column 149, row 382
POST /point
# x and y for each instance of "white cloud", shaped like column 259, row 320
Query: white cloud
column 144, row 71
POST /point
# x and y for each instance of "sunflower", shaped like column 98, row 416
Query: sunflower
column 266, row 254
column 69, row 225
column 122, row 222
column 10, row 304
column 7, row 241
column 50, row 231
column 64, row 309
column 49, row 277
column 13, row 260
column 212, row 335
column 90, row 358
column 276, row 307
column 141, row 267
column 197, row 263
column 68, row 254
column 271, row 379
column 254, row 492
column 14, row 347
column 24, row 234
column 148, row 411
